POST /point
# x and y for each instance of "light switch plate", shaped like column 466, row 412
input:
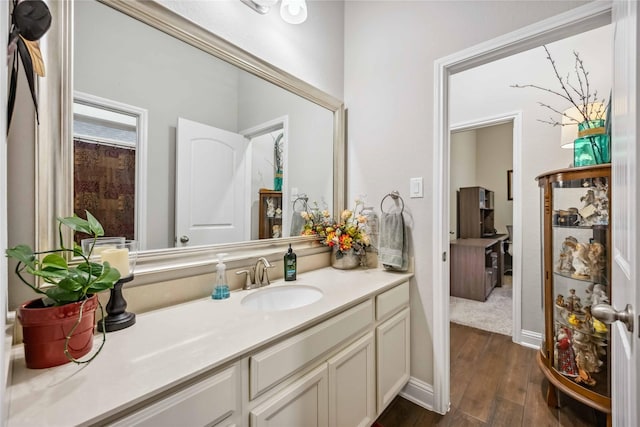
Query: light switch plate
column 416, row 188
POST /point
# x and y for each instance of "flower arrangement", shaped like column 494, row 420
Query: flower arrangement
column 344, row 235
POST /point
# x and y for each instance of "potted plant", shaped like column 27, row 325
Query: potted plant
column 58, row 326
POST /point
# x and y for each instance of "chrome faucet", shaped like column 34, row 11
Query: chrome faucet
column 261, row 276
column 256, row 276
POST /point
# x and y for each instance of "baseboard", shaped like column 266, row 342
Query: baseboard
column 418, row 392
column 530, row 339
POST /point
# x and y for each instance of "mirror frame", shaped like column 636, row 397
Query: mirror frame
column 54, row 148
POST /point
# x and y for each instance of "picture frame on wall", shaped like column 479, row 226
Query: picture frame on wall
column 510, row 184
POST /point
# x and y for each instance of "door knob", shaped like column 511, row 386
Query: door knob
column 184, row 239
column 607, row 314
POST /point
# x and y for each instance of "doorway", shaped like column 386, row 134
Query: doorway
column 578, row 20
column 482, row 156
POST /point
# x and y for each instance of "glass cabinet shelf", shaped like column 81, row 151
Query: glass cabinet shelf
column 576, row 271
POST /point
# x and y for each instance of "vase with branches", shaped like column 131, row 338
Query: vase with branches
column 278, row 162
column 587, row 110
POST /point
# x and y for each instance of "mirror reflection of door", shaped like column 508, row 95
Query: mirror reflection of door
column 109, row 141
column 211, row 185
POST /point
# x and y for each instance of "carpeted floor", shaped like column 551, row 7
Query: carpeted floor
column 494, row 315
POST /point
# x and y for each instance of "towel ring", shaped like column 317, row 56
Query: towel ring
column 395, row 195
column 304, row 200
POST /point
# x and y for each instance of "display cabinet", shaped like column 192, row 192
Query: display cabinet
column 270, row 214
column 576, row 271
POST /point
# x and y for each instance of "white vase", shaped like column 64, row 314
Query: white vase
column 347, row 261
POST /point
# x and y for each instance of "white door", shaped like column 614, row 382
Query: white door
column 211, row 198
column 625, row 205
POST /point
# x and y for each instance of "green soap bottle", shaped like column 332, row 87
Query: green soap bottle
column 290, row 265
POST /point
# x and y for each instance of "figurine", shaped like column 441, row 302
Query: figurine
column 580, row 261
column 573, row 303
column 560, row 301
column 597, row 261
column 271, row 210
column 276, row 231
column 565, row 261
column 597, row 294
column 587, row 360
column 278, row 213
column 598, row 326
column 566, row 361
column 596, row 203
column 574, row 321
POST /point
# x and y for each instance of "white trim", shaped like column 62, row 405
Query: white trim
column 418, row 392
column 530, row 339
column 515, row 118
column 5, row 326
column 142, row 120
column 579, row 19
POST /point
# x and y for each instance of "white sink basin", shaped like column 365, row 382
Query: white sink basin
column 282, row 297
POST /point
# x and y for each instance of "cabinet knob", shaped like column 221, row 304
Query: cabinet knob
column 184, row 239
column 607, row 314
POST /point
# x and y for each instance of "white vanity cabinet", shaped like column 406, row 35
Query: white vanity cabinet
column 213, row 401
column 392, row 343
column 352, row 388
column 303, row 403
column 330, row 374
column 336, row 363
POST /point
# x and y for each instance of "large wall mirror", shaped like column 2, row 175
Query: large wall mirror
column 167, row 133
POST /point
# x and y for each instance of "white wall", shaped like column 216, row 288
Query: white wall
column 540, row 142
column 390, row 49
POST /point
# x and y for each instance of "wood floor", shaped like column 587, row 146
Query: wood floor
column 494, row 382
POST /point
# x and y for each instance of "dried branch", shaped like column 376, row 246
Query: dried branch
column 579, row 95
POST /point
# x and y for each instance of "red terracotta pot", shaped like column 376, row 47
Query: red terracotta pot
column 45, row 330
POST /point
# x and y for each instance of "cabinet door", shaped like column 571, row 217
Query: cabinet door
column 303, row 403
column 352, row 385
column 392, row 345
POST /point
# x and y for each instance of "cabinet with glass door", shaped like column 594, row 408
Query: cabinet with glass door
column 576, row 272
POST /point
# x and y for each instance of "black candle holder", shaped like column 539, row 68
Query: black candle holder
column 117, row 316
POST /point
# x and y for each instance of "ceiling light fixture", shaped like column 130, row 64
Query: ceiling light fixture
column 291, row 11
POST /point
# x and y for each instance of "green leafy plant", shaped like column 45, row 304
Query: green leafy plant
column 61, row 283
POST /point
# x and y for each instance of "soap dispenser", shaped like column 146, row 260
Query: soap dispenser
column 290, row 265
column 221, row 290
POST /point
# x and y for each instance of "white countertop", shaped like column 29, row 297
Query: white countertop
column 168, row 346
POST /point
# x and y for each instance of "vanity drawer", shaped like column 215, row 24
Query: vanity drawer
column 390, row 301
column 271, row 366
column 207, row 402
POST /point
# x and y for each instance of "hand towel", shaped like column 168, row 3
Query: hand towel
column 297, row 224
column 393, row 251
